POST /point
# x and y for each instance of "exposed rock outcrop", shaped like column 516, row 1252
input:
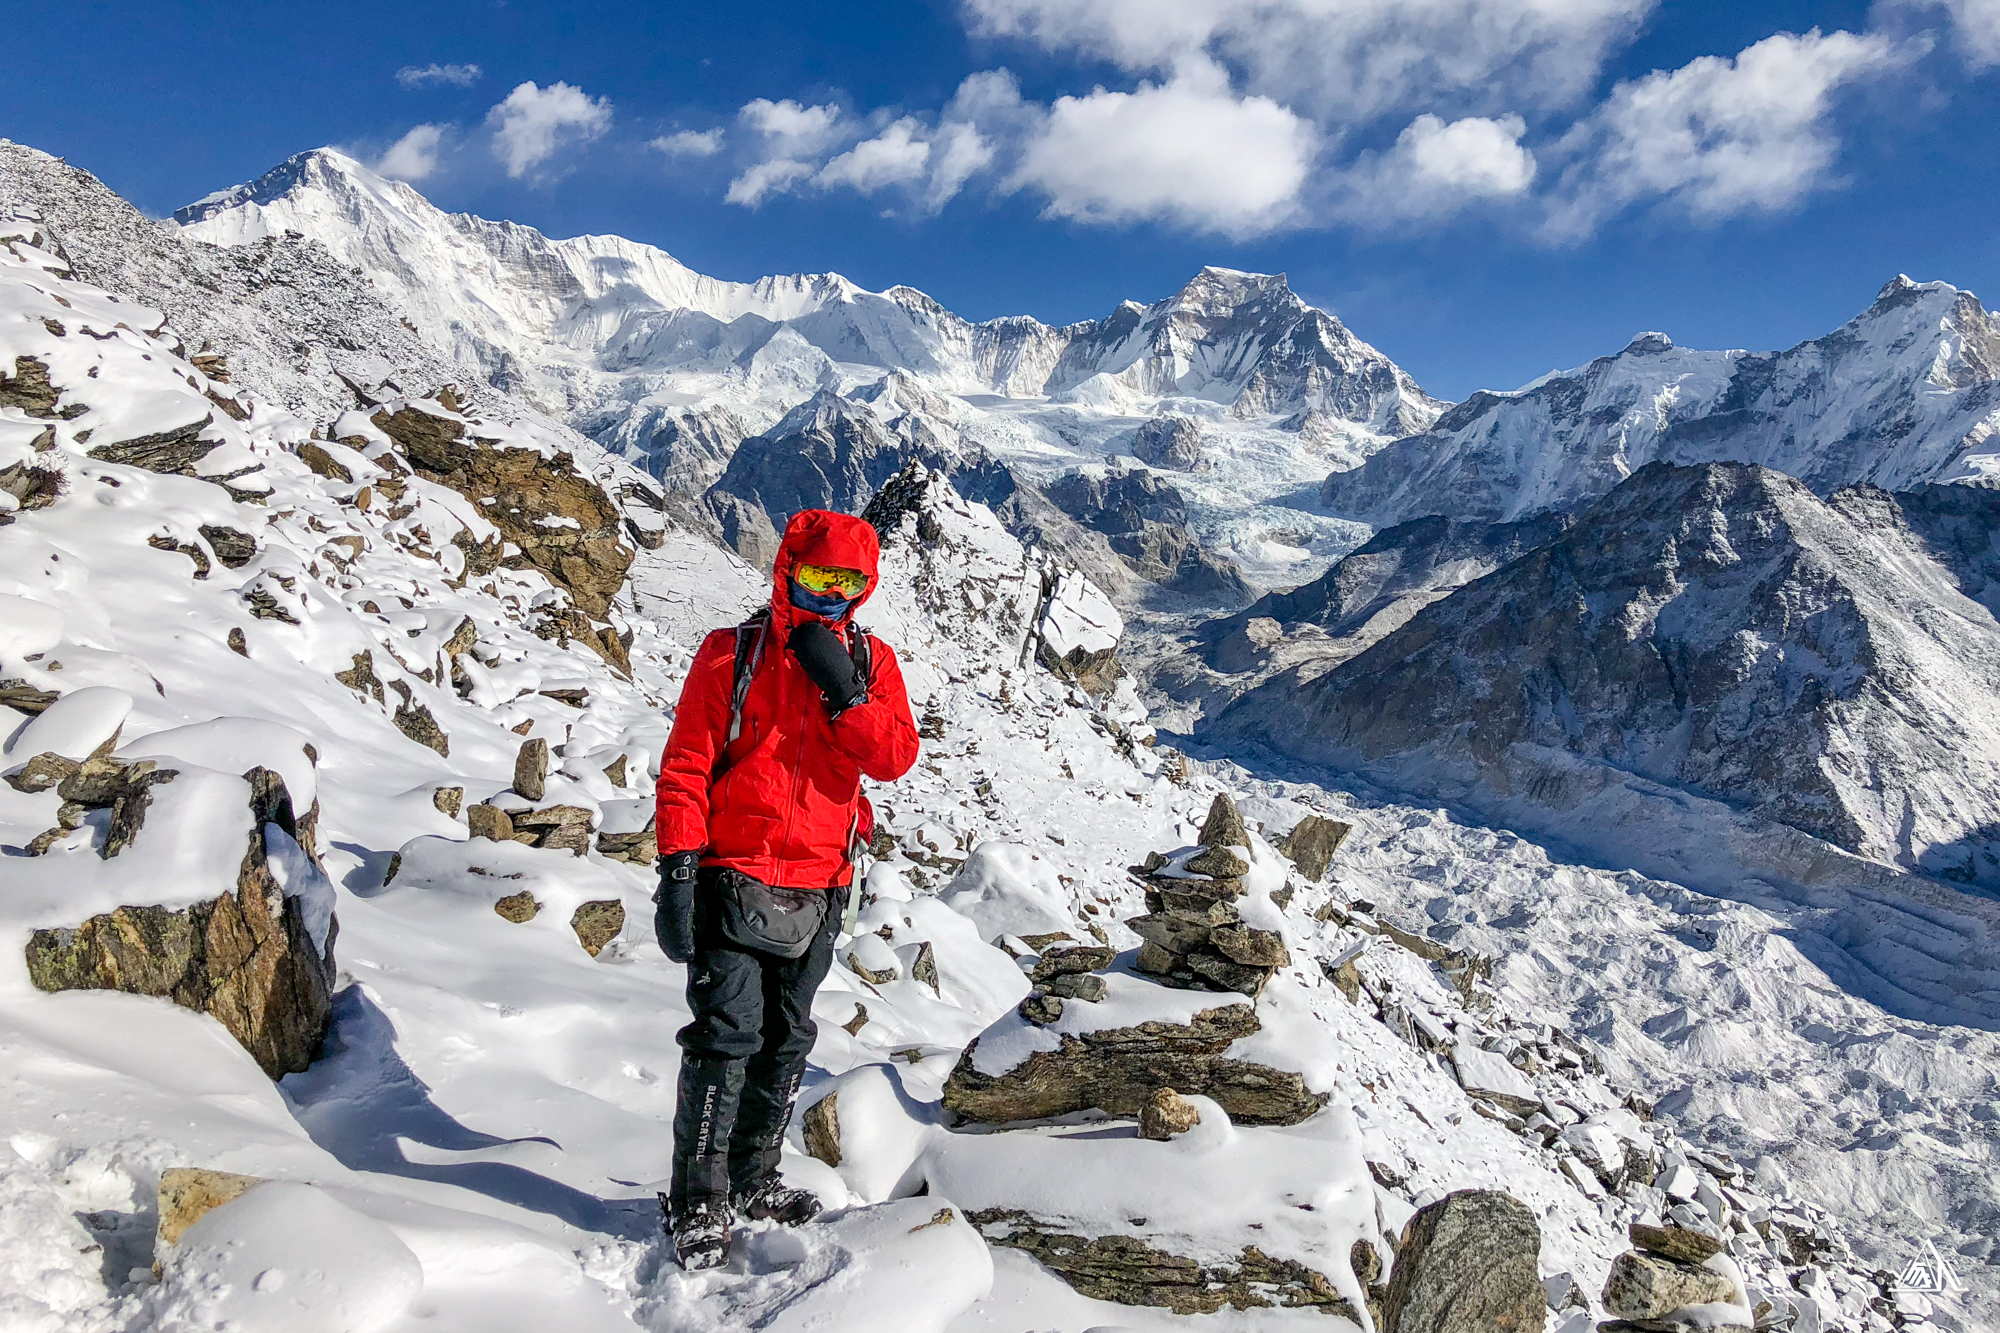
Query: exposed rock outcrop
column 561, row 519
column 1169, row 441
column 246, row 956
column 1145, row 519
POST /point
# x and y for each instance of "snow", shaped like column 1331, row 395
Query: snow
column 285, row 1257
column 1006, row 888
column 493, row 1103
column 1305, row 1188
column 1079, row 615
column 75, row 726
column 883, row 1131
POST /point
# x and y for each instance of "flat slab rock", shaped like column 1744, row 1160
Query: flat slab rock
column 1117, row 1071
column 1129, row 1271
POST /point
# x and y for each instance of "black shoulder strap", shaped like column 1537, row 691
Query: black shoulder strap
column 750, row 636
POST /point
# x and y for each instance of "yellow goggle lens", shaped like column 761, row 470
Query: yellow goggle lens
column 848, row 583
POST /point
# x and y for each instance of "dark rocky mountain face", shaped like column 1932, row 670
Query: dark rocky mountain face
column 1145, row 519
column 1829, row 665
column 827, row 453
column 1424, row 556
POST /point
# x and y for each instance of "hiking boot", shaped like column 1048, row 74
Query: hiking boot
column 768, row 1199
column 700, row 1235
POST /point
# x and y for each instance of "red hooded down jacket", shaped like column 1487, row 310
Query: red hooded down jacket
column 787, row 803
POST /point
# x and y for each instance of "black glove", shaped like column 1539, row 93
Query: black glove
column 827, row 663
column 673, row 905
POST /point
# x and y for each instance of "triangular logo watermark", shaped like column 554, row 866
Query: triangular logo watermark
column 1932, row 1276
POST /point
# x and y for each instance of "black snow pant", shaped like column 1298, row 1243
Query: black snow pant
column 743, row 1055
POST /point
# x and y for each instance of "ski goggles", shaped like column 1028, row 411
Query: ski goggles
column 825, row 579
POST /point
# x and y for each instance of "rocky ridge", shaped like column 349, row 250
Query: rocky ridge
column 1718, row 629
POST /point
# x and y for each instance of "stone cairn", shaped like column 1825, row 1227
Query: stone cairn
column 1195, row 936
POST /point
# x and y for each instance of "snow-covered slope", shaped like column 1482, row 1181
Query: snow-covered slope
column 294, row 323
column 1906, row 392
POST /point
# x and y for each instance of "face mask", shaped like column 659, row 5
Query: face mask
column 826, row 605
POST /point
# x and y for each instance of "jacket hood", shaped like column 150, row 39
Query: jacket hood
column 823, row 537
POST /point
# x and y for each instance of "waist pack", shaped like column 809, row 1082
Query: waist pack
column 760, row 916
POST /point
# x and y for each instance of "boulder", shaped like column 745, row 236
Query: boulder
column 416, row 721
column 1085, row 986
column 1652, row 1286
column 640, row 847
column 246, row 956
column 554, row 827
column 1469, row 1263
column 489, row 821
column 1312, row 842
column 820, row 1128
column 531, row 769
column 520, row 908
column 1066, row 962
column 1689, row 1247
column 1166, row 1114
column 187, row 1193
column 1224, row 826
column 1117, row 1071
column 597, row 924
column 1250, row 946
column 1216, row 862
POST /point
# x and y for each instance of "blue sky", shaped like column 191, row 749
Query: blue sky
column 1486, row 189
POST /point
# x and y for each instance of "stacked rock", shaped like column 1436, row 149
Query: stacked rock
column 1065, row 973
column 1667, row 1285
column 1194, row 934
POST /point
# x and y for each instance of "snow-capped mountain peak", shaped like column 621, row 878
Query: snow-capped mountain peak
column 1908, row 391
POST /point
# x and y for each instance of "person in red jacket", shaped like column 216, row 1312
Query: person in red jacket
column 760, row 818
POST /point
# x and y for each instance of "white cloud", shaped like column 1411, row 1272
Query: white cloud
column 1187, row 152
column 1437, row 168
column 413, row 76
column 533, row 122
column 958, row 153
column 1350, row 59
column 895, row 156
column 792, row 129
column 689, row 143
column 1976, row 25
column 1720, row 136
column 414, row 156
column 775, row 176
